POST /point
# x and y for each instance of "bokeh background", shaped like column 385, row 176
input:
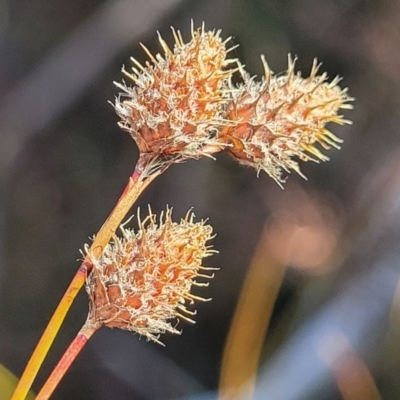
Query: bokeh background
column 328, row 247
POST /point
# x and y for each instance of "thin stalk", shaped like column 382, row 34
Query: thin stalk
column 66, row 360
column 139, row 180
column 48, row 335
column 250, row 324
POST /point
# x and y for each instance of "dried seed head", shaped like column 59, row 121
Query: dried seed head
column 176, row 105
column 144, row 279
column 282, row 117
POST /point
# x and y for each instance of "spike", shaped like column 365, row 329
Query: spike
column 137, row 63
column 180, row 38
column 232, row 48
column 291, row 65
column 184, row 309
column 179, row 315
column 164, row 45
column 192, row 28
column 267, row 71
column 148, row 53
column 130, row 76
column 314, row 69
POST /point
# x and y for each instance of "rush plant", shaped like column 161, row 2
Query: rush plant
column 182, row 105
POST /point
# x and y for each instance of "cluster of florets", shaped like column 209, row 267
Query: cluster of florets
column 281, row 117
column 143, row 279
column 175, row 108
column 184, row 105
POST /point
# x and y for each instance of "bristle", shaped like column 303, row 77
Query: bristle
column 164, row 45
column 267, row 70
column 138, row 64
column 175, row 36
column 148, row 53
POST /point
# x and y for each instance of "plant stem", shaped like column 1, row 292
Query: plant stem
column 136, row 185
column 49, row 334
column 66, row 360
column 250, row 324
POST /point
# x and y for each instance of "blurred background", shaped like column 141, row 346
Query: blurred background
column 314, row 268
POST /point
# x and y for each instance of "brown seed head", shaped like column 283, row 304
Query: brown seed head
column 144, row 279
column 176, row 105
column 282, row 117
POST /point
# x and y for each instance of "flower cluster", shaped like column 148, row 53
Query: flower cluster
column 144, row 279
column 281, row 117
column 184, row 105
column 176, row 106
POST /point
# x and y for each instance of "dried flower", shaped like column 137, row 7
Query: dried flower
column 282, row 117
column 144, row 279
column 177, row 104
column 184, row 105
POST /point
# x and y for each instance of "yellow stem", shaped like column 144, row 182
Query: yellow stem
column 136, row 185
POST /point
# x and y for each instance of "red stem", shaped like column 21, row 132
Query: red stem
column 66, row 360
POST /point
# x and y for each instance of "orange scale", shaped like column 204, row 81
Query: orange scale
column 152, row 304
column 123, row 316
column 124, row 260
column 162, row 267
column 188, row 257
column 158, row 287
column 134, row 302
column 109, row 269
column 176, row 273
column 114, row 293
column 107, row 312
column 138, row 278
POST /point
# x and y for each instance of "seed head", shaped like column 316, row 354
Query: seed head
column 176, row 105
column 144, row 279
column 283, row 117
column 184, row 105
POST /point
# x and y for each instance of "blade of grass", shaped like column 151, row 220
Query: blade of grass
column 8, row 382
